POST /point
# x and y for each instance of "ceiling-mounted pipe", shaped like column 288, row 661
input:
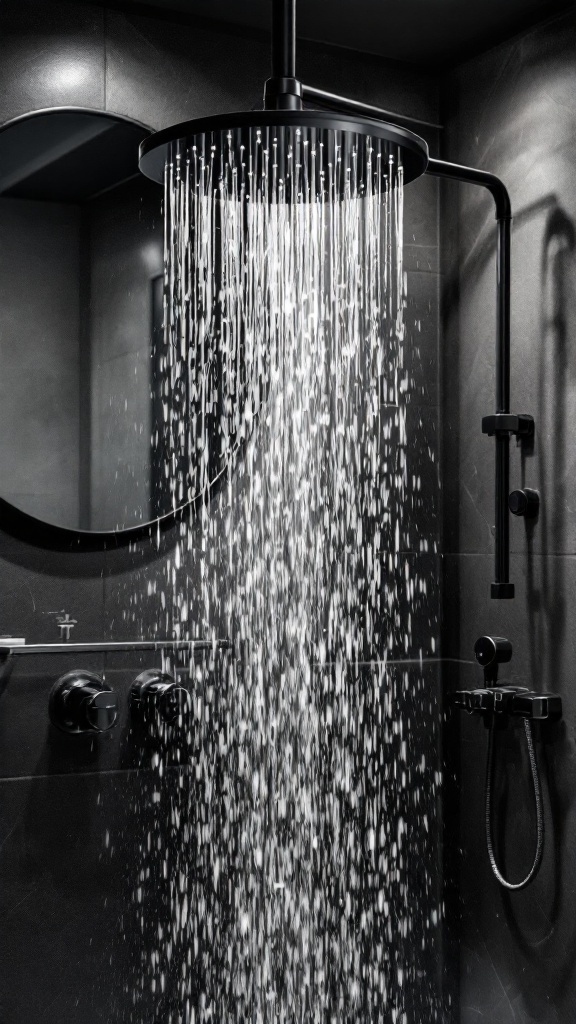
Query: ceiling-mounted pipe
column 283, row 91
column 335, row 102
column 284, row 39
column 502, row 425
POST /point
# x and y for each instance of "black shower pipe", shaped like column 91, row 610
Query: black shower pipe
column 501, row 587
column 283, row 91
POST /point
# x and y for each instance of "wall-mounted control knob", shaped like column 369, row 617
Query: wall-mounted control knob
column 524, row 503
column 155, row 696
column 81, row 702
column 490, row 652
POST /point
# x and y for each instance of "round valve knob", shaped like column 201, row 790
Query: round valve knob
column 81, row 702
column 524, row 503
column 155, row 695
column 492, row 650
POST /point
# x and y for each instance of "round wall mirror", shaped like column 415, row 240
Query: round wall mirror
column 81, row 325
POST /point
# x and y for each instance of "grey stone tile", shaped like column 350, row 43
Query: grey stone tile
column 421, row 201
column 423, row 259
column 363, row 716
column 60, row 894
column 52, row 55
column 368, row 78
column 421, row 345
column 155, row 593
column 160, row 72
column 404, row 608
column 39, row 582
column 72, row 850
column 533, row 108
column 410, row 455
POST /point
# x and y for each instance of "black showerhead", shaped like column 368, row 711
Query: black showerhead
column 288, row 154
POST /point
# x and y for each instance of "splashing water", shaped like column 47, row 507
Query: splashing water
column 301, row 888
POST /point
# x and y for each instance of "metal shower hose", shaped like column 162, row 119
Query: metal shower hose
column 539, row 812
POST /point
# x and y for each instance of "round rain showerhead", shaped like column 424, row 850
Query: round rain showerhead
column 288, row 155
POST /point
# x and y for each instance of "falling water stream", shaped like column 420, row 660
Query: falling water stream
column 297, row 854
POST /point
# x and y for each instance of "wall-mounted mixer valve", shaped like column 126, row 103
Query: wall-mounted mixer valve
column 155, row 698
column 491, row 699
column 81, row 701
column 497, row 705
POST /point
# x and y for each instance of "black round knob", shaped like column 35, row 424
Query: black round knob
column 492, row 650
column 524, row 503
column 81, row 702
column 155, row 695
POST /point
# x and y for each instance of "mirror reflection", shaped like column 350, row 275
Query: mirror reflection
column 81, row 292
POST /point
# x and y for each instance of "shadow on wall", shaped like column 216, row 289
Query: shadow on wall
column 558, row 293
column 546, row 591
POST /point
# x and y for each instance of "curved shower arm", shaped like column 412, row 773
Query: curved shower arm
column 345, row 105
column 502, row 426
column 283, row 91
column 474, row 176
column 499, row 192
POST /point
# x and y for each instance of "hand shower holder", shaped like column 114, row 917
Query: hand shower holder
column 508, row 424
column 513, row 701
column 502, row 701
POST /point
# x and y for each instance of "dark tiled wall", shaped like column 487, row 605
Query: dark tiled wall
column 72, row 821
column 513, row 111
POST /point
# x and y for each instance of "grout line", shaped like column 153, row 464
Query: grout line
column 525, row 555
column 90, row 774
column 105, row 32
column 401, row 661
column 382, row 661
column 384, row 553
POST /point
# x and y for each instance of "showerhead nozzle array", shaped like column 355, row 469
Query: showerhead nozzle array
column 289, row 155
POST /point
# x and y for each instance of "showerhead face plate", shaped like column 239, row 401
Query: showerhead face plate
column 288, row 155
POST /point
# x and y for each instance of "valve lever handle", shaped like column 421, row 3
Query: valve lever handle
column 82, row 702
column 155, row 696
